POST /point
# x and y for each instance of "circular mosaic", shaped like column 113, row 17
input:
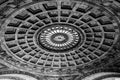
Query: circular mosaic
column 60, row 33
column 59, row 37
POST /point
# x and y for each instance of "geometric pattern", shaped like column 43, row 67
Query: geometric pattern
column 59, row 39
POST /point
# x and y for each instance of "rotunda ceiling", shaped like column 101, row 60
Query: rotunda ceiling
column 59, row 37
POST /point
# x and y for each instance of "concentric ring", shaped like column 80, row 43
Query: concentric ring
column 60, row 33
column 59, row 37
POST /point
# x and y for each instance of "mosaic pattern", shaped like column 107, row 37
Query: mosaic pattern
column 33, row 32
column 59, row 39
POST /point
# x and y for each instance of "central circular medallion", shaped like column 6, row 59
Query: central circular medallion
column 59, row 37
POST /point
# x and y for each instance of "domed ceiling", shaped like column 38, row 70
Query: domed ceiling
column 59, row 39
